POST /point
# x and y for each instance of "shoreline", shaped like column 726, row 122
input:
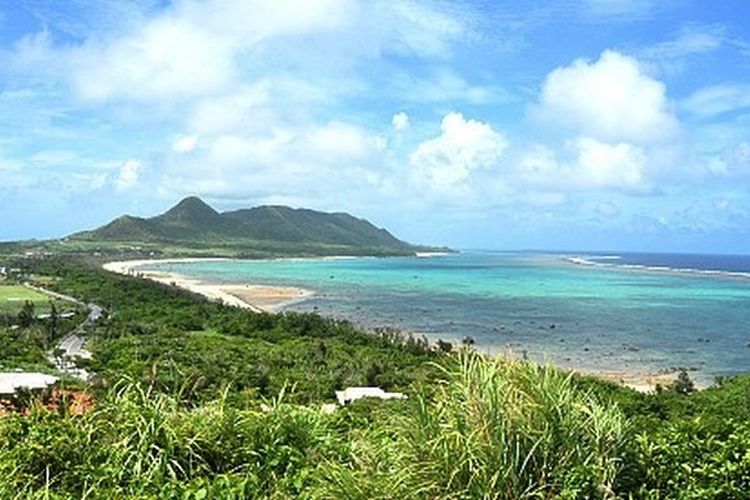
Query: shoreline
column 611, row 264
column 271, row 298
column 641, row 382
column 256, row 297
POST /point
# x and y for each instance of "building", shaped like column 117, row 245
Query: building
column 354, row 393
column 10, row 382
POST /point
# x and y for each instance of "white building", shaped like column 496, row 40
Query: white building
column 10, row 382
column 354, row 393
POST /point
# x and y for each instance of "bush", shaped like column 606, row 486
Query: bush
column 493, row 429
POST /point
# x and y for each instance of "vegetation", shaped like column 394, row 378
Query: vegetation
column 255, row 232
column 13, row 298
column 194, row 399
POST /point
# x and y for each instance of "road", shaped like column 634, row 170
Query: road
column 72, row 346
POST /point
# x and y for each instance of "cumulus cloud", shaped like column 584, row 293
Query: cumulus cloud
column 191, row 49
column 128, row 175
column 198, row 48
column 315, row 165
column 618, row 165
column 400, row 121
column 610, row 99
column 185, row 144
column 464, row 146
column 342, row 141
column 590, row 165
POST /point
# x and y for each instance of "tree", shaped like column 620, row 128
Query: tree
column 444, row 346
column 53, row 323
column 27, row 315
column 683, row 384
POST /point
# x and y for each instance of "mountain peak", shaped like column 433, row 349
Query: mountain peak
column 191, row 207
column 265, row 230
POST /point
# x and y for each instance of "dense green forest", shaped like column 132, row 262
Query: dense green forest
column 193, row 399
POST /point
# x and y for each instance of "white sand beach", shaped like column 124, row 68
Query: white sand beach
column 640, row 381
column 257, row 297
column 271, row 298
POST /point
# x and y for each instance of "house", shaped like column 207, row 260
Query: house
column 10, row 382
column 354, row 393
column 35, row 253
column 64, row 315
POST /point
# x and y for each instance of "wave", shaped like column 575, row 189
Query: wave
column 587, row 261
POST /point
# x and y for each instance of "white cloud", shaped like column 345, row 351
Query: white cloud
column 167, row 59
column 198, row 48
column 192, row 49
column 445, row 85
column 185, row 144
column 447, row 162
column 317, row 166
column 230, row 111
column 400, row 121
column 342, row 141
column 591, row 165
column 610, row 99
column 246, row 152
column 603, row 165
column 734, row 161
column 674, row 56
column 128, row 176
column 716, row 100
column 412, row 27
column 690, row 40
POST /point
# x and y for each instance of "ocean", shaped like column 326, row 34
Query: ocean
column 598, row 312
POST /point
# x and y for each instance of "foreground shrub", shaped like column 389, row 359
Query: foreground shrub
column 493, row 429
column 696, row 458
column 142, row 444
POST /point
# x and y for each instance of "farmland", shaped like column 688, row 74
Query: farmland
column 13, row 297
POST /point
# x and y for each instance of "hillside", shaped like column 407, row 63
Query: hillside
column 275, row 229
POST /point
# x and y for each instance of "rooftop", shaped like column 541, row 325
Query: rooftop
column 10, row 382
column 353, row 393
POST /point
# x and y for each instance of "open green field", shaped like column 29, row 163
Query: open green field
column 13, row 297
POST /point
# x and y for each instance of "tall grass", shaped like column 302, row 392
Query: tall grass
column 486, row 429
column 493, row 429
column 145, row 445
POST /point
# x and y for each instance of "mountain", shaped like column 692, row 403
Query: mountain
column 270, row 229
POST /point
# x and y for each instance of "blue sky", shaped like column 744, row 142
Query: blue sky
column 569, row 124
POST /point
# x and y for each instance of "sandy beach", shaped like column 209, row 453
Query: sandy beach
column 270, row 298
column 257, row 297
column 642, row 382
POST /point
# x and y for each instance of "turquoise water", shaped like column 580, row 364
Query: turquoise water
column 598, row 318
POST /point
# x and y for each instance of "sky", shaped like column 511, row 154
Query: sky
column 565, row 124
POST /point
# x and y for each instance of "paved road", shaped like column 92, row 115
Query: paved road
column 73, row 344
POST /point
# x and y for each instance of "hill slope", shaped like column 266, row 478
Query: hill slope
column 274, row 229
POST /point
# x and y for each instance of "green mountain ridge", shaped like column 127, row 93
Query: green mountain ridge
column 274, row 228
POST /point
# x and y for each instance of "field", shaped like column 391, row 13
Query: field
column 13, row 297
